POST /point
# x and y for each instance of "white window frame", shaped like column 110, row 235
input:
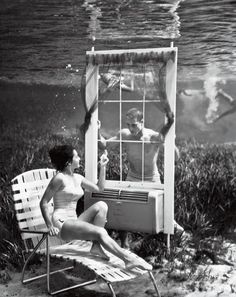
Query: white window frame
column 91, row 148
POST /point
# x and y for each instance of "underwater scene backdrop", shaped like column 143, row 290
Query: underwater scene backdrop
column 43, row 46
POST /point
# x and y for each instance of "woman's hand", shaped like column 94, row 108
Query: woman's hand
column 104, row 159
column 53, row 231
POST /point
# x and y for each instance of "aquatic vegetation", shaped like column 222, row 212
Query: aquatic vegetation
column 205, row 196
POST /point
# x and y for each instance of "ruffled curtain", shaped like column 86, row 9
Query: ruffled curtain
column 88, row 109
column 133, row 58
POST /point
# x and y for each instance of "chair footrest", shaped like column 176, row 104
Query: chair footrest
column 112, row 271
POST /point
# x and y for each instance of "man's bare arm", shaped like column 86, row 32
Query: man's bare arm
column 222, row 94
column 102, row 142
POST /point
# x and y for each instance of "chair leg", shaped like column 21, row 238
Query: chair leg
column 111, row 289
column 73, row 287
column 154, row 283
column 49, row 274
column 23, row 280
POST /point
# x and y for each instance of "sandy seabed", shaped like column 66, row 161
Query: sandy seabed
column 207, row 281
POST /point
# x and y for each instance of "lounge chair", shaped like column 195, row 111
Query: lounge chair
column 27, row 190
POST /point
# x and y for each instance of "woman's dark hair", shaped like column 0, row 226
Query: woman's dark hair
column 61, row 155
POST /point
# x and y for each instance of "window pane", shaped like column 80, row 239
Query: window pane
column 153, row 118
column 109, row 116
column 126, row 88
column 116, row 170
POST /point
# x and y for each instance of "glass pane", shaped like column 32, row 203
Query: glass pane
column 133, row 160
column 132, row 77
column 109, row 116
column 114, row 166
column 109, row 83
column 124, row 91
column 153, row 118
column 141, row 140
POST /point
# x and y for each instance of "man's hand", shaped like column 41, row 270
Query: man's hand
column 101, row 140
column 170, row 120
column 104, row 159
column 170, row 117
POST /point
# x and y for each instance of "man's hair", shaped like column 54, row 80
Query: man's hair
column 61, row 155
column 135, row 113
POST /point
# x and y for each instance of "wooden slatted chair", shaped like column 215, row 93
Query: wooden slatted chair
column 28, row 189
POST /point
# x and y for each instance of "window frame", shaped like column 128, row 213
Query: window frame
column 95, row 59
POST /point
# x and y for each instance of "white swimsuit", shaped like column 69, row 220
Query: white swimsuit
column 65, row 203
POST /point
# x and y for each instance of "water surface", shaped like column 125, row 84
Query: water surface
column 40, row 38
column 44, row 42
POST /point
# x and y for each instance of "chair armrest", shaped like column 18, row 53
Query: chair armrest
column 43, row 231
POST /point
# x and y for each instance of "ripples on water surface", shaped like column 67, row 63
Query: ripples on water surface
column 44, row 42
column 40, row 38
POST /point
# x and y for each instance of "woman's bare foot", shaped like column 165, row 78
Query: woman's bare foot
column 97, row 250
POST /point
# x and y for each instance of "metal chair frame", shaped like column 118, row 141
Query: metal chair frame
column 45, row 236
column 110, row 272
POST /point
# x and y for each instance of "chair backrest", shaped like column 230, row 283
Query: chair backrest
column 28, row 189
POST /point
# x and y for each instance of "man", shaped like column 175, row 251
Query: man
column 216, row 97
column 140, row 170
column 227, row 98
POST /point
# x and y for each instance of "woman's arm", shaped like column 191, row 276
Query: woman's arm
column 88, row 185
column 51, row 189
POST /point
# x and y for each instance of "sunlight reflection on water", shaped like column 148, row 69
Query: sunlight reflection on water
column 129, row 19
column 40, row 38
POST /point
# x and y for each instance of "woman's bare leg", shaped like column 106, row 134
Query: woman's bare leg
column 77, row 229
column 96, row 215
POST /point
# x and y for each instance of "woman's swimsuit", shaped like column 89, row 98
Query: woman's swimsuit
column 65, row 203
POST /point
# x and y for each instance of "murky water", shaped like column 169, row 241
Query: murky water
column 40, row 38
column 45, row 42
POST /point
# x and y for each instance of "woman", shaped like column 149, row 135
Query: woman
column 66, row 188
